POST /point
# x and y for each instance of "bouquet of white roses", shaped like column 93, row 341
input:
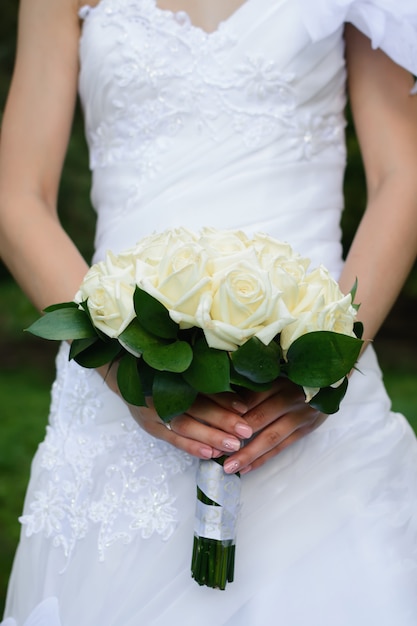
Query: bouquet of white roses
column 185, row 313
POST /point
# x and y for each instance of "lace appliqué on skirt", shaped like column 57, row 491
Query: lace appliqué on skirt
column 103, row 473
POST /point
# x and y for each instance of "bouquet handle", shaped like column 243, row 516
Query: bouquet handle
column 217, row 508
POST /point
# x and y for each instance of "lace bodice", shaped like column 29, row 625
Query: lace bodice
column 170, row 76
column 183, row 124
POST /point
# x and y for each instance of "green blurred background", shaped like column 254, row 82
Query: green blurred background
column 27, row 364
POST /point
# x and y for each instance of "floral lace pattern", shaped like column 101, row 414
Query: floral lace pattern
column 170, row 75
column 116, row 480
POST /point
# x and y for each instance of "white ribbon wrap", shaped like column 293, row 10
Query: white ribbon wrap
column 211, row 521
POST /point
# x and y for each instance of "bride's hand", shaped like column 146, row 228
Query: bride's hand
column 278, row 418
column 212, row 426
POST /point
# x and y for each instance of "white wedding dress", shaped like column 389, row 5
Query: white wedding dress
column 240, row 128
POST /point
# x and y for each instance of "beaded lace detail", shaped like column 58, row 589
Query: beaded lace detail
column 116, row 479
column 172, row 75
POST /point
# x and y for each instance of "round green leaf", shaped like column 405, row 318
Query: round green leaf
column 129, row 381
column 256, row 361
column 98, row 354
column 173, row 357
column 136, row 339
column 328, row 399
column 172, row 395
column 63, row 323
column 241, row 381
column 147, row 375
column 209, row 371
column 153, row 316
column 321, row 358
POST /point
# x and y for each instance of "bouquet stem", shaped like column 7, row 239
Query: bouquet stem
column 218, row 497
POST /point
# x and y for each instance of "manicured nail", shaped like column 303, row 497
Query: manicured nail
column 231, row 444
column 206, row 453
column 244, row 430
column 230, row 467
column 239, row 407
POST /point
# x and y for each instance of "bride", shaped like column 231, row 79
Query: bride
column 230, row 115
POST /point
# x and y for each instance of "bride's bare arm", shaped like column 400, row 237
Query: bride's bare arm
column 385, row 116
column 385, row 245
column 35, row 130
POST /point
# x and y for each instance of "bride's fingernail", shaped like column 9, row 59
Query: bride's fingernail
column 244, row 430
column 231, row 444
column 206, row 453
column 230, row 467
column 239, row 406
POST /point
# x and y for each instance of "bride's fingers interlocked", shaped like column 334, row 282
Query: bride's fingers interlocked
column 297, row 434
column 191, row 428
column 213, row 424
column 224, row 419
column 278, row 421
column 148, row 419
column 207, row 431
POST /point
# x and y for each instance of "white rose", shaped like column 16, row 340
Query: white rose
column 224, row 242
column 330, row 289
column 151, row 250
column 322, row 306
column 242, row 304
column 179, row 281
column 225, row 247
column 125, row 259
column 286, row 269
column 287, row 275
column 295, row 266
column 269, row 249
column 108, row 288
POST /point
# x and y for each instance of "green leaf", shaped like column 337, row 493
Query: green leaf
column 173, row 357
column 63, row 323
column 129, row 381
column 353, row 295
column 354, row 290
column 256, row 361
column 153, row 316
column 321, row 358
column 328, row 399
column 61, row 305
column 209, row 371
column 358, row 329
column 241, row 381
column 136, row 339
column 79, row 345
column 84, row 305
column 172, row 395
column 147, row 375
column 98, row 354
